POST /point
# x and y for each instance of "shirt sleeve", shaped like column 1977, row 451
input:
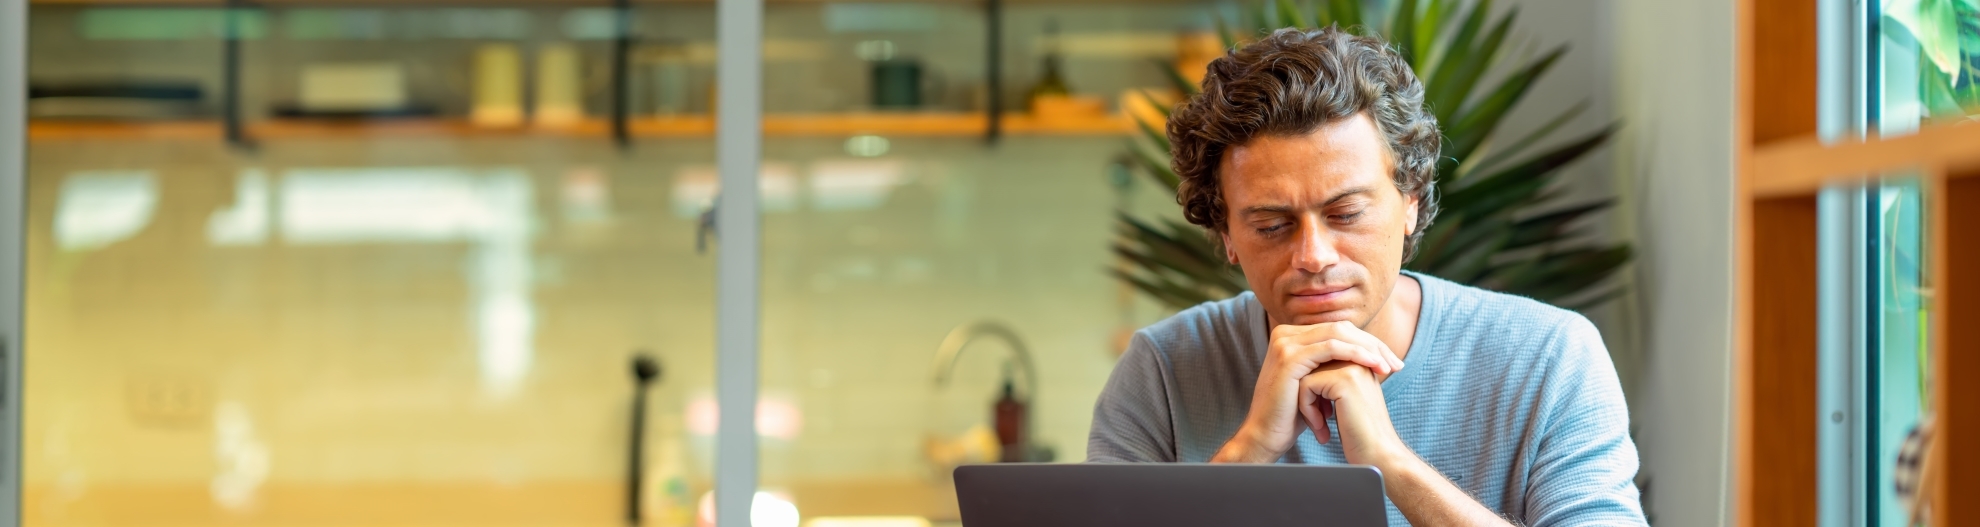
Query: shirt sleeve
column 1585, row 468
column 1131, row 420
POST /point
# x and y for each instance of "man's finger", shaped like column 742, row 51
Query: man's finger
column 1342, row 331
column 1317, row 415
column 1309, row 410
column 1315, row 420
column 1356, row 335
column 1296, row 360
column 1341, row 350
column 1394, row 361
column 1315, row 407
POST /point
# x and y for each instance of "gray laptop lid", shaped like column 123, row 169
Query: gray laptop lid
column 1169, row 495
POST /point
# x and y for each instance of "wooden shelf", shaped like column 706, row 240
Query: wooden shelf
column 794, row 125
column 1800, row 166
column 431, row 3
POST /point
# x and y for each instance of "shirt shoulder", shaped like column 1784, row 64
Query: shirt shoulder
column 1181, row 387
column 1206, row 329
column 1507, row 329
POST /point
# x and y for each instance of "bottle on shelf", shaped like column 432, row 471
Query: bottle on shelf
column 498, row 81
column 1011, row 420
column 558, row 96
column 1052, row 83
column 1051, row 100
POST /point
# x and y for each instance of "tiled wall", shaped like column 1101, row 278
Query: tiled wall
column 436, row 311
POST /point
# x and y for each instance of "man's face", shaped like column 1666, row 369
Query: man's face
column 1316, row 222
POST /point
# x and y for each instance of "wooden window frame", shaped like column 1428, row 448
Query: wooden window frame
column 1779, row 160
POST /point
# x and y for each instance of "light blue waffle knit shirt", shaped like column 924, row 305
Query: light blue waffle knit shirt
column 1513, row 400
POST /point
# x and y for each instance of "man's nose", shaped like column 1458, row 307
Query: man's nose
column 1313, row 249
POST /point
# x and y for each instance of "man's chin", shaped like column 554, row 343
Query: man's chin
column 1338, row 315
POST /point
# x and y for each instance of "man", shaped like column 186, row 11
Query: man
column 1310, row 156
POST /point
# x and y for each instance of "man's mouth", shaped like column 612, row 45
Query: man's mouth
column 1320, row 298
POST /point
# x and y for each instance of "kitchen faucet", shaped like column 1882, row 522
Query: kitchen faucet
column 963, row 335
column 950, row 352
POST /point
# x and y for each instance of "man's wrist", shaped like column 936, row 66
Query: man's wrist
column 1398, row 462
column 1243, row 447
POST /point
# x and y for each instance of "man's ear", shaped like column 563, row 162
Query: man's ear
column 1229, row 255
column 1409, row 221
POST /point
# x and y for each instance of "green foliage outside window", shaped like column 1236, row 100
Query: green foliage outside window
column 1948, row 37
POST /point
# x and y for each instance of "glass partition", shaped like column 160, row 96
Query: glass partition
column 362, row 264
column 917, row 261
column 367, row 265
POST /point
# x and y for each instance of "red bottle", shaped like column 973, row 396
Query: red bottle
column 1010, row 420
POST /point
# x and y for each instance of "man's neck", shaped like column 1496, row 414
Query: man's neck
column 1395, row 324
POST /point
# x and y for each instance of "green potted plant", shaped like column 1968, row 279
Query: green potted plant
column 1502, row 226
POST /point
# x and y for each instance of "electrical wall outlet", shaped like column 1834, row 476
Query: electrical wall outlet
column 169, row 401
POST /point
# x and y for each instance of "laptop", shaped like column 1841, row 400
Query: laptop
column 1169, row 495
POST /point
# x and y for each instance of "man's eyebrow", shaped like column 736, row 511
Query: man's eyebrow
column 1269, row 209
column 1282, row 209
column 1349, row 192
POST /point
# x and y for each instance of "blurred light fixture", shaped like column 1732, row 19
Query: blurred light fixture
column 867, row 146
column 96, row 209
column 587, row 196
column 867, row 521
column 246, row 222
column 695, row 188
column 854, row 184
column 241, row 459
column 492, row 209
column 874, row 50
column 776, row 417
column 886, row 17
column 766, row 509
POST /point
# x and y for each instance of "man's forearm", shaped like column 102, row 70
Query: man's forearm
column 1426, row 497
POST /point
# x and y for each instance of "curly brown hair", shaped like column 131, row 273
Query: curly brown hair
column 1290, row 83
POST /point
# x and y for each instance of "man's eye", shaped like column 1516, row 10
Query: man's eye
column 1273, row 229
column 1348, row 218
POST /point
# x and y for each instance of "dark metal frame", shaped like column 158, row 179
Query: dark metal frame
column 993, row 74
column 622, row 43
column 13, row 215
column 230, row 77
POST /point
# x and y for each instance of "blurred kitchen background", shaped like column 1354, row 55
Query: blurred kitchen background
column 407, row 289
column 348, row 262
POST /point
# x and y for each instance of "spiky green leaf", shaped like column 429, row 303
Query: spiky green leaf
column 1289, row 15
column 1346, row 13
column 1478, row 120
column 1153, row 135
column 1459, row 49
column 1562, row 274
column 1549, row 227
column 1491, row 193
column 1458, row 80
column 1499, row 155
column 1402, row 30
column 1177, row 79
